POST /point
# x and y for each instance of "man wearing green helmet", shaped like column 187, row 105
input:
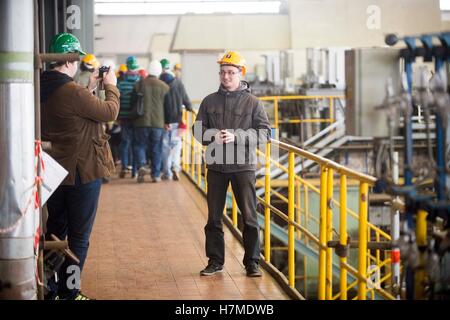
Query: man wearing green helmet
column 126, row 86
column 72, row 118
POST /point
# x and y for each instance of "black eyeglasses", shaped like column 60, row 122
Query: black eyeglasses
column 230, row 73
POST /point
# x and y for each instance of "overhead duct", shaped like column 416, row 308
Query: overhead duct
column 18, row 218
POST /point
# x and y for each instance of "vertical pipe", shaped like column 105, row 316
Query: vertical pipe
column 395, row 234
column 37, row 134
column 291, row 212
column 267, row 209
column 421, row 239
column 440, row 157
column 343, row 234
column 329, row 267
column 55, row 16
column 323, row 231
column 362, row 250
column 18, row 218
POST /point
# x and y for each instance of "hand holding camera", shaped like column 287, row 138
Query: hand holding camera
column 107, row 75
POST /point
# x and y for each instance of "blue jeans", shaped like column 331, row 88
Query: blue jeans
column 149, row 138
column 71, row 214
column 171, row 151
column 126, row 145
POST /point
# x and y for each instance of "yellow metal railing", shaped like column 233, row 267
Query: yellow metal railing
column 302, row 222
column 330, row 101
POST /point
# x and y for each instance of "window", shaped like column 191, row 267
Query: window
column 177, row 7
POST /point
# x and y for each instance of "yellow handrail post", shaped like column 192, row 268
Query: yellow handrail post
column 234, row 216
column 184, row 146
column 267, row 208
column 306, row 205
column 377, row 252
column 205, row 170
column 305, row 258
column 362, row 250
column 343, row 234
column 291, row 208
column 192, row 158
column 323, row 231
column 421, row 239
column 206, row 180
column 329, row 268
column 299, row 208
column 199, row 165
column 275, row 112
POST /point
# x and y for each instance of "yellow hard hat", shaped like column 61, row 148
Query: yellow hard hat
column 233, row 58
column 123, row 67
column 177, row 66
column 90, row 59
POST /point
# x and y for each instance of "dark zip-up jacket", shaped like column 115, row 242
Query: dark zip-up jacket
column 154, row 91
column 243, row 114
column 174, row 100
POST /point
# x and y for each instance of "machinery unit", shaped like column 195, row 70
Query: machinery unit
column 367, row 71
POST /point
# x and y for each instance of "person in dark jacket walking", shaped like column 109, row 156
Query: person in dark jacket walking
column 231, row 122
column 149, row 128
column 126, row 85
column 72, row 120
column 173, row 107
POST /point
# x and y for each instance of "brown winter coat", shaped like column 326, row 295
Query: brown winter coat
column 72, row 120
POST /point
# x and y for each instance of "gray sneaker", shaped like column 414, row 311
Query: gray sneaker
column 253, row 270
column 156, row 179
column 141, row 173
column 211, row 269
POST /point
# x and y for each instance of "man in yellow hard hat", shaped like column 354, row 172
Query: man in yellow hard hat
column 231, row 122
column 177, row 70
column 88, row 65
column 122, row 70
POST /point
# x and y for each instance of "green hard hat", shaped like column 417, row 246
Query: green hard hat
column 132, row 63
column 65, row 43
column 165, row 64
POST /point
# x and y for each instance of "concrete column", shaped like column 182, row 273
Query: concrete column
column 18, row 218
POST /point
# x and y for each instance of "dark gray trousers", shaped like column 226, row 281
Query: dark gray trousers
column 243, row 185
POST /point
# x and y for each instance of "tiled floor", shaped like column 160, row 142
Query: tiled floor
column 148, row 243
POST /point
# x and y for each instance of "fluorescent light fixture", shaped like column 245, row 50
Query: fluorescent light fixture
column 176, row 7
column 445, row 5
